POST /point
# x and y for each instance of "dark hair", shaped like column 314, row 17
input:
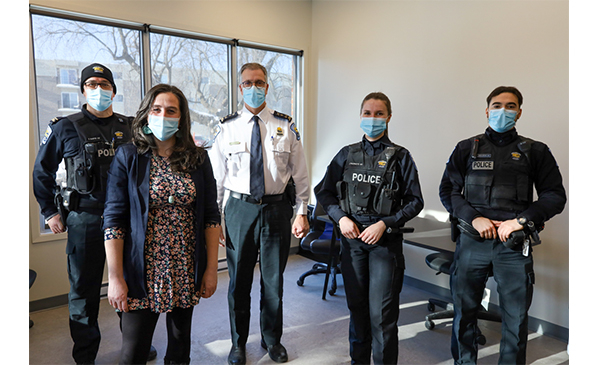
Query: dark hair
column 186, row 156
column 378, row 96
column 254, row 66
column 505, row 89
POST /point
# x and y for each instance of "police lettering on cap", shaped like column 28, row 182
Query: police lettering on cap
column 97, row 70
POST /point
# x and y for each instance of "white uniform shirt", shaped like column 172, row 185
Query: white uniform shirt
column 283, row 156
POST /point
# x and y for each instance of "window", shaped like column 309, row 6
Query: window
column 68, row 76
column 60, row 42
column 200, row 70
column 70, row 101
column 280, row 77
column 140, row 56
column 68, row 46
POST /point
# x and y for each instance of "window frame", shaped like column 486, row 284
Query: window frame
column 39, row 234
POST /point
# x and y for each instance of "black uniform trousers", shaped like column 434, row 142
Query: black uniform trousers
column 373, row 277
column 85, row 257
column 474, row 261
column 253, row 229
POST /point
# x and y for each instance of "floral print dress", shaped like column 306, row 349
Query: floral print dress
column 170, row 241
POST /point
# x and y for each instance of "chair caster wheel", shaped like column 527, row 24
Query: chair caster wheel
column 481, row 340
column 429, row 324
column 430, row 307
column 300, row 282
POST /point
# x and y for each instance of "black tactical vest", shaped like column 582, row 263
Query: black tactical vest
column 368, row 186
column 499, row 177
column 87, row 172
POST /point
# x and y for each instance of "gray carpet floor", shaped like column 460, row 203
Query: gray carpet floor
column 315, row 330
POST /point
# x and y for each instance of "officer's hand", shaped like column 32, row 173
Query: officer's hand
column 506, row 228
column 485, row 227
column 300, row 227
column 348, row 228
column 117, row 294
column 55, row 224
column 373, row 233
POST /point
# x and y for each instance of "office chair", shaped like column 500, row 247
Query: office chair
column 324, row 245
column 441, row 263
column 32, row 276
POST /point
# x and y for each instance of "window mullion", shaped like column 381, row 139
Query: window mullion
column 233, row 94
column 145, row 53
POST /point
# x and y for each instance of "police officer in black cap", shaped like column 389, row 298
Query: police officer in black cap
column 86, row 141
column 488, row 186
column 371, row 189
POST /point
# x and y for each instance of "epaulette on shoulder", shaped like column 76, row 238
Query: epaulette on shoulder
column 55, row 120
column 229, row 117
column 282, row 116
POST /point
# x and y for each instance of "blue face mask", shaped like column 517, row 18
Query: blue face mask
column 254, row 96
column 99, row 98
column 502, row 120
column 163, row 128
column 373, row 126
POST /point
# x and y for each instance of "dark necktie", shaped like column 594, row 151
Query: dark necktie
column 257, row 173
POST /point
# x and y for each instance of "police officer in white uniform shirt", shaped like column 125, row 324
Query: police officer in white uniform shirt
column 257, row 198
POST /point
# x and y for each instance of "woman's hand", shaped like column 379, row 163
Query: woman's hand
column 209, row 283
column 348, row 228
column 373, row 233
column 117, row 294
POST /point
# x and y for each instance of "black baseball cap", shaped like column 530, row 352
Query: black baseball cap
column 97, row 70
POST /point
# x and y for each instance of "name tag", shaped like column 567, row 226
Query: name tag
column 483, row 165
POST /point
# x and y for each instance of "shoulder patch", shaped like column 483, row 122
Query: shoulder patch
column 48, row 132
column 295, row 130
column 229, row 117
column 282, row 116
column 218, row 130
column 55, row 119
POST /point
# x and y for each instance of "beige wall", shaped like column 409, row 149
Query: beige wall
column 436, row 60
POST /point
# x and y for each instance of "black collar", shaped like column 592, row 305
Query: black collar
column 376, row 147
column 501, row 139
column 95, row 119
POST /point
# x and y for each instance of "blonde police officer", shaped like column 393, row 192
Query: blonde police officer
column 252, row 176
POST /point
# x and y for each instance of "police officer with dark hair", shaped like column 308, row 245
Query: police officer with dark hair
column 86, row 141
column 371, row 188
column 488, row 186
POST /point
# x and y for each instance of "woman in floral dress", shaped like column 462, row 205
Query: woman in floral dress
column 161, row 227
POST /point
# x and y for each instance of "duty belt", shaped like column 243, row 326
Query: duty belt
column 92, row 204
column 249, row 199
